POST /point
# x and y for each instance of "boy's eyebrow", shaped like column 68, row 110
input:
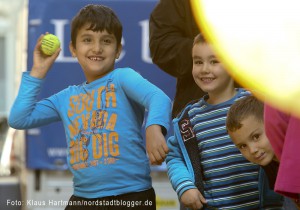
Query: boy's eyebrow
column 237, row 145
column 109, row 35
column 89, row 34
column 253, row 132
column 85, row 34
column 248, row 136
column 199, row 57
column 211, row 56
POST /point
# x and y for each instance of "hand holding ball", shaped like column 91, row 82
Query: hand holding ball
column 50, row 43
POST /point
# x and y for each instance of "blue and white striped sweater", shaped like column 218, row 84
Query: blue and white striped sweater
column 230, row 181
column 227, row 173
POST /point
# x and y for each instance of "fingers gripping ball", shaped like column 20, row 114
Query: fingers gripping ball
column 50, row 43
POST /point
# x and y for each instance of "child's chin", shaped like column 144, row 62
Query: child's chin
column 265, row 163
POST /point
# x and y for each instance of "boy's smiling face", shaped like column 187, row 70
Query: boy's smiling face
column 252, row 141
column 208, row 72
column 96, row 52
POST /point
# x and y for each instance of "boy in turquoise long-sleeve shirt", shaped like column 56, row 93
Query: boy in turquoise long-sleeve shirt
column 102, row 116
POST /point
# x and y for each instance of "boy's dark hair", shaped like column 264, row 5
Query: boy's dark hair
column 243, row 108
column 199, row 38
column 100, row 18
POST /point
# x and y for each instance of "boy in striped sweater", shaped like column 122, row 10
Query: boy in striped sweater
column 205, row 168
column 246, row 126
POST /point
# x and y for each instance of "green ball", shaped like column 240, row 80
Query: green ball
column 50, row 43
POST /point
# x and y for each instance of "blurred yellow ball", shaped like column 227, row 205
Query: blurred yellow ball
column 259, row 43
column 50, row 43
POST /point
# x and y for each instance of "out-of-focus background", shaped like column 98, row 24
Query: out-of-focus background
column 33, row 168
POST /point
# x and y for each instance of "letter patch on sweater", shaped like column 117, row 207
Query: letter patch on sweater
column 186, row 130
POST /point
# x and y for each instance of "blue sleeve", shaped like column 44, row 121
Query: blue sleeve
column 178, row 172
column 151, row 97
column 26, row 111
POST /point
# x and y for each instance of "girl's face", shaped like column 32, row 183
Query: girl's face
column 96, row 52
column 252, row 141
column 209, row 74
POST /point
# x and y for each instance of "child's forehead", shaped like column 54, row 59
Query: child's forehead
column 93, row 27
column 250, row 123
column 251, row 119
column 203, row 50
column 88, row 29
column 202, row 45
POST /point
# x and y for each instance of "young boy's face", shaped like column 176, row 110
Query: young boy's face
column 96, row 52
column 252, row 141
column 208, row 72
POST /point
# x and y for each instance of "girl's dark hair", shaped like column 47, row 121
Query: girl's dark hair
column 100, row 18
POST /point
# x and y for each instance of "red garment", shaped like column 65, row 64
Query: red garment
column 283, row 131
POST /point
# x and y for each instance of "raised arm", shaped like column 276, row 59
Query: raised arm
column 26, row 111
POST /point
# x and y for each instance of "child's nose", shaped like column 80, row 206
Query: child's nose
column 253, row 150
column 97, row 48
column 206, row 68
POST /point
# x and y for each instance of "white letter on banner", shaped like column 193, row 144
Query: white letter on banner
column 123, row 53
column 145, row 41
column 59, row 31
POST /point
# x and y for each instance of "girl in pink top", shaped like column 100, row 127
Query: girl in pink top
column 283, row 131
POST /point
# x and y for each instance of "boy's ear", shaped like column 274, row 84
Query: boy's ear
column 119, row 51
column 72, row 49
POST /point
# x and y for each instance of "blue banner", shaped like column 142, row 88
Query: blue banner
column 46, row 146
